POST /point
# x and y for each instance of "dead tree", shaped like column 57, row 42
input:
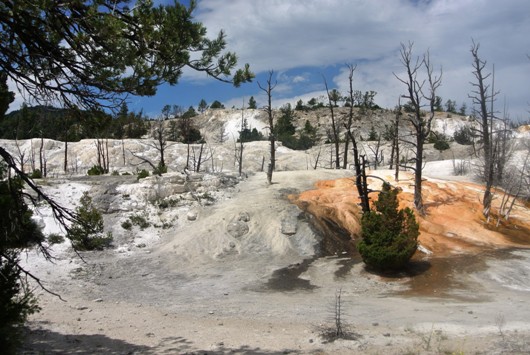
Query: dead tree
column 160, row 142
column 418, row 92
column 483, row 95
column 332, row 99
column 21, row 155
column 268, row 109
column 42, row 157
column 239, row 156
column 394, row 154
column 376, row 151
column 349, row 122
column 102, row 148
column 362, row 190
column 202, row 157
column 516, row 183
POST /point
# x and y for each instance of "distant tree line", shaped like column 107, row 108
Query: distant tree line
column 71, row 124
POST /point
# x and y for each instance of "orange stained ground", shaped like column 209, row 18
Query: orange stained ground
column 453, row 223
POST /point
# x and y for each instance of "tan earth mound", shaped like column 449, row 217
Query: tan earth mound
column 453, row 223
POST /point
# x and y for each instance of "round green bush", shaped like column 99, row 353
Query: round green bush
column 389, row 234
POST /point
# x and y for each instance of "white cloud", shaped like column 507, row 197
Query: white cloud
column 284, row 35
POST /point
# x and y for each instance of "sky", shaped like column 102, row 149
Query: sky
column 303, row 41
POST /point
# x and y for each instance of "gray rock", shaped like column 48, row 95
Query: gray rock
column 289, row 226
column 289, row 221
column 191, row 216
column 237, row 229
column 244, row 216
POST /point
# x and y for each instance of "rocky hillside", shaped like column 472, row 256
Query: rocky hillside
column 220, row 129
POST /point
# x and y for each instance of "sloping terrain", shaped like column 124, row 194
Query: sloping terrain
column 243, row 275
column 229, row 264
column 453, row 223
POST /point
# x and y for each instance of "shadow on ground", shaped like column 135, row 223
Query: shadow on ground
column 45, row 341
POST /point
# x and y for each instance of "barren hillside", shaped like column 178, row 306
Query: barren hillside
column 228, row 264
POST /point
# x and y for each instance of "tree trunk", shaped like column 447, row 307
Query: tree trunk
column 418, row 198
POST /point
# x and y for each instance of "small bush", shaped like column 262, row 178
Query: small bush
column 115, row 173
column 464, row 135
column 169, row 202
column 142, row 174
column 441, row 145
column 160, row 169
column 86, row 233
column 96, row 170
column 389, row 235
column 36, row 174
column 127, row 225
column 55, row 238
column 126, row 173
column 139, row 221
column 17, row 302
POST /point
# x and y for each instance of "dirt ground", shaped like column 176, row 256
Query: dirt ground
column 201, row 290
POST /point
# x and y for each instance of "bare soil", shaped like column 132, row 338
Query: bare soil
column 199, row 290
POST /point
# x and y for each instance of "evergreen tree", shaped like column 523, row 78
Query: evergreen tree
column 438, row 104
column 389, row 234
column 216, row 105
column 95, row 52
column 190, row 113
column 463, row 109
column 87, row 232
column 203, row 106
column 17, row 231
column 252, row 103
column 373, row 135
column 284, row 126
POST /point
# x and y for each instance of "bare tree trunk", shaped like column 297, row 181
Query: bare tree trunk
column 241, row 147
column 65, row 168
column 188, row 158
column 420, row 120
column 123, row 150
column 396, row 140
column 42, row 158
column 358, row 161
column 317, row 158
column 334, row 128
column 200, row 158
column 481, row 98
column 268, row 90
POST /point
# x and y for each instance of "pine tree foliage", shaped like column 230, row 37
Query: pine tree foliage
column 389, row 234
column 87, row 231
column 17, row 231
column 91, row 52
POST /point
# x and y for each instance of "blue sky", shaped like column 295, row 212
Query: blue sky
column 304, row 40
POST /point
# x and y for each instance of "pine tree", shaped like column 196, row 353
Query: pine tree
column 389, row 234
column 87, row 232
column 252, row 103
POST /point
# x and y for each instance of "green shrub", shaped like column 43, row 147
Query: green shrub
column 441, row 145
column 126, row 173
column 36, row 174
column 160, row 169
column 389, row 235
column 115, row 173
column 55, row 238
column 140, row 221
column 142, row 174
column 17, row 302
column 464, row 135
column 18, row 231
column 86, row 233
column 127, row 225
column 96, row 170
